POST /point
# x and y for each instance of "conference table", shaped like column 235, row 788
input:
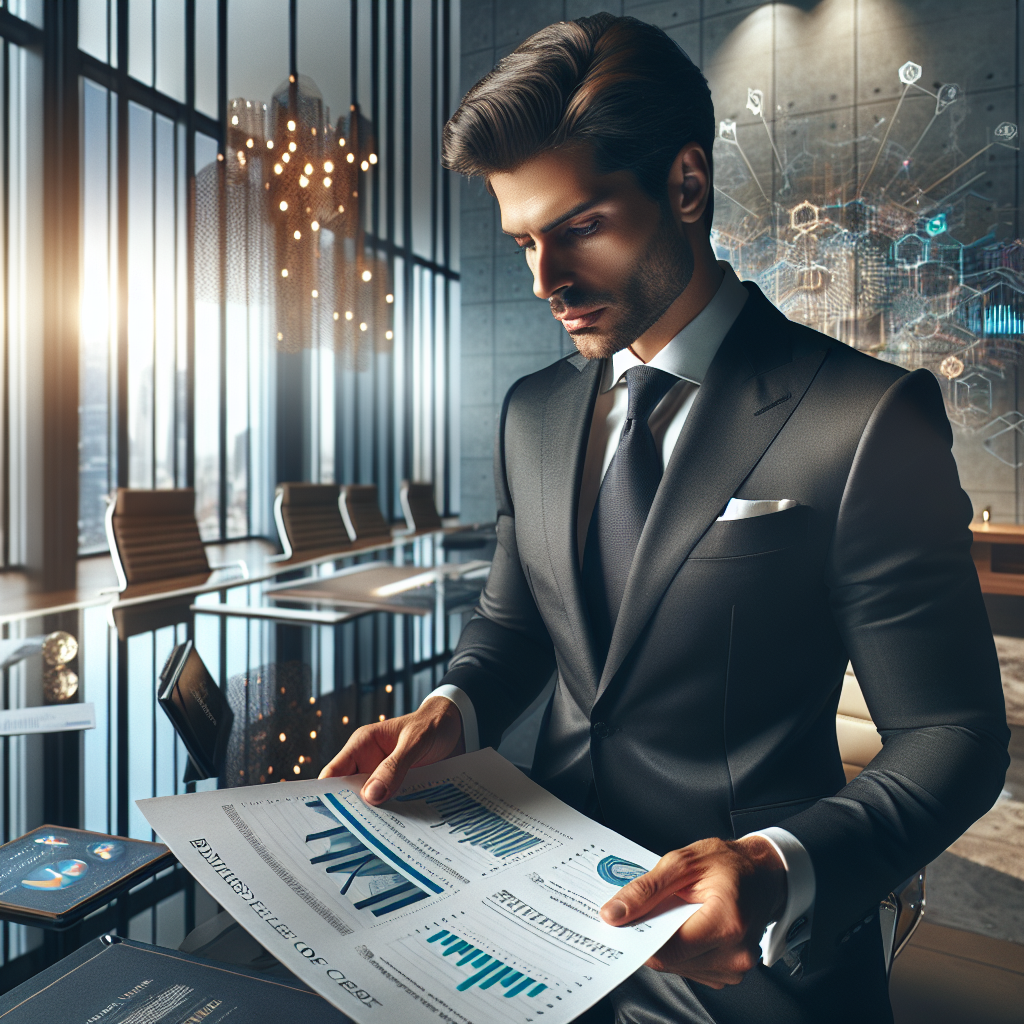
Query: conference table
column 305, row 654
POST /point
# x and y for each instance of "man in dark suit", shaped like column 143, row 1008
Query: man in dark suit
column 702, row 516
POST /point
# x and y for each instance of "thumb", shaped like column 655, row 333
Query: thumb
column 387, row 778
column 647, row 892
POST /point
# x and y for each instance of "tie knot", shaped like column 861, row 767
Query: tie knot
column 647, row 387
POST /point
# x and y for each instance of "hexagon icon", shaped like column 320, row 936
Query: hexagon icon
column 1005, row 440
column 910, row 73
column 973, row 393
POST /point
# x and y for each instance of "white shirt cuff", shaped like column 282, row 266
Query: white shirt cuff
column 470, row 732
column 793, row 928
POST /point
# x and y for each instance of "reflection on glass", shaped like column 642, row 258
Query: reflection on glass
column 98, row 320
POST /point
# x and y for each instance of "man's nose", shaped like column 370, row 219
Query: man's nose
column 550, row 274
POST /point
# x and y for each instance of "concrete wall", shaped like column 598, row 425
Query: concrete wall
column 826, row 68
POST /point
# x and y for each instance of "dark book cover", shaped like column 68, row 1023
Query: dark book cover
column 117, row 980
column 197, row 709
column 52, row 876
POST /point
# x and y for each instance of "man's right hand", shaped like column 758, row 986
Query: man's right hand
column 388, row 749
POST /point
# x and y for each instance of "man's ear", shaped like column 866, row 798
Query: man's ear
column 689, row 183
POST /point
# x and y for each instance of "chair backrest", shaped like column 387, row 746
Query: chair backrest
column 361, row 513
column 418, row 506
column 308, row 518
column 153, row 535
column 858, row 738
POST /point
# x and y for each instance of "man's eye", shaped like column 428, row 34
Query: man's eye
column 587, row 229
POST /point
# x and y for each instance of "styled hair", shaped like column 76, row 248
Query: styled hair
column 616, row 84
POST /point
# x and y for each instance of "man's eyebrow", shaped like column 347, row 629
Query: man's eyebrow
column 575, row 211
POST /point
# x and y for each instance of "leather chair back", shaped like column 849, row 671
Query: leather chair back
column 309, row 519
column 858, row 738
column 418, row 506
column 153, row 535
column 361, row 512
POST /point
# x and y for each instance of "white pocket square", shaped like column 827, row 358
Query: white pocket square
column 741, row 508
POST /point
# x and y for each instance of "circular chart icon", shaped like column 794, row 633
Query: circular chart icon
column 50, row 840
column 616, row 871
column 107, row 850
column 56, row 876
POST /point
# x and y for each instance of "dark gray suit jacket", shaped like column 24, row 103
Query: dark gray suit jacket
column 715, row 712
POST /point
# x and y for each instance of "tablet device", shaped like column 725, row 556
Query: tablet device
column 197, row 709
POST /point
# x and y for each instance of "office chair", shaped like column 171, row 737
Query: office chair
column 309, row 522
column 361, row 513
column 901, row 911
column 421, row 515
column 153, row 536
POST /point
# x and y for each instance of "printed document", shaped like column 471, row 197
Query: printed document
column 470, row 898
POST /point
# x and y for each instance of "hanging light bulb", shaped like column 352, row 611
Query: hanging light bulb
column 248, row 143
column 315, row 225
column 351, row 158
column 316, row 294
column 278, row 168
column 292, row 147
column 389, row 298
column 373, row 158
column 286, row 157
column 283, row 205
column 308, row 169
column 328, row 166
column 297, row 235
column 365, row 165
column 327, row 182
column 234, row 119
column 270, row 143
column 348, row 314
column 284, row 272
column 367, row 275
column 303, row 180
column 291, row 126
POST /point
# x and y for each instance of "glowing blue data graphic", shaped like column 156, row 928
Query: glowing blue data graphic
column 482, row 826
column 1003, row 320
column 365, row 880
column 485, row 970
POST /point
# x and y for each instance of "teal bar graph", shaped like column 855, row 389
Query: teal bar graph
column 489, row 971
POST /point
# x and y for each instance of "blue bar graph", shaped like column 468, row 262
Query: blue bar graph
column 482, row 826
column 489, row 971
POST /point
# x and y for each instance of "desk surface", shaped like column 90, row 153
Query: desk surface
column 998, row 533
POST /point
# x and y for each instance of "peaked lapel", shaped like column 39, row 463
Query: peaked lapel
column 752, row 388
column 568, row 412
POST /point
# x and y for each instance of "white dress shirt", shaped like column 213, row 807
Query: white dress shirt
column 687, row 356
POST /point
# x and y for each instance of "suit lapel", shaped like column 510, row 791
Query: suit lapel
column 566, row 430
column 751, row 389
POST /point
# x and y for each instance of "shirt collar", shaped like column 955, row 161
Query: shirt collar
column 688, row 355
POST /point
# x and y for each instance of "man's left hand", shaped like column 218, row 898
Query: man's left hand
column 742, row 886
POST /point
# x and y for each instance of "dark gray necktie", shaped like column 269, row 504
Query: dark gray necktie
column 623, row 502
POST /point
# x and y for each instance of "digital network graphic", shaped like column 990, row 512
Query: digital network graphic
column 893, row 239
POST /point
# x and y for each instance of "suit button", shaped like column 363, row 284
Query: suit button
column 600, row 730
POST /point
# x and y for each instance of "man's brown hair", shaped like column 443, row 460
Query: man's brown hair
column 618, row 85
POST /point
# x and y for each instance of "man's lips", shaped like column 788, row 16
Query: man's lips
column 573, row 321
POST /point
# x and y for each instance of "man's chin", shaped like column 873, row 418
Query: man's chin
column 593, row 344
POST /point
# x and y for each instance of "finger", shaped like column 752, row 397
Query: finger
column 673, row 872
column 388, row 776
column 364, row 751
column 716, row 968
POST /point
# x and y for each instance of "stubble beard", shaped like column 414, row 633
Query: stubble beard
column 664, row 271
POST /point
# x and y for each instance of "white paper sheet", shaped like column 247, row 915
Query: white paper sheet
column 471, row 898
